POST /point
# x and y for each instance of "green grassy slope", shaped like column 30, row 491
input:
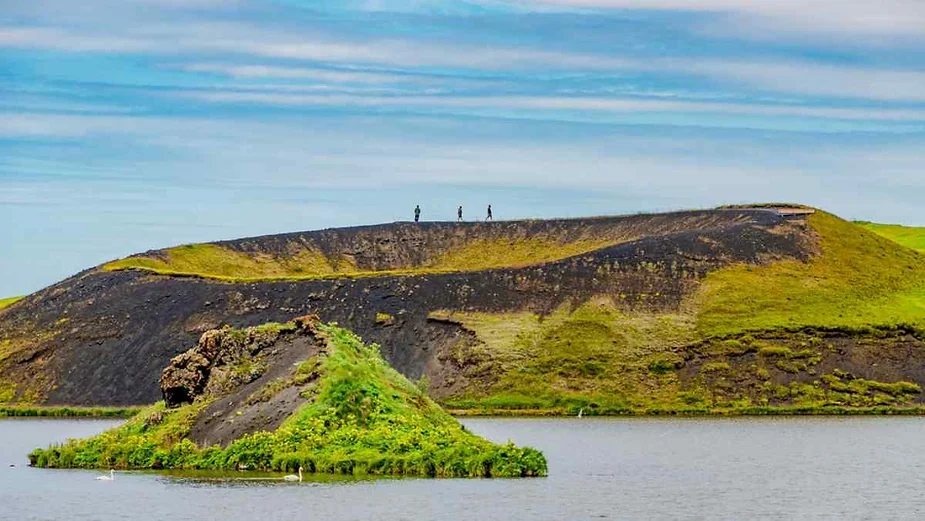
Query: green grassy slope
column 909, row 236
column 738, row 343
column 210, row 260
column 4, row 302
column 364, row 418
column 216, row 262
column 858, row 279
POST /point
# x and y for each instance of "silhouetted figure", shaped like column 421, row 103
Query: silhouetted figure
column 417, row 213
column 488, row 217
column 459, row 214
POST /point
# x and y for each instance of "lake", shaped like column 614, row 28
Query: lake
column 725, row 468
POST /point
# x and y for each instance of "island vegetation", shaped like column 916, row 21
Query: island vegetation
column 357, row 416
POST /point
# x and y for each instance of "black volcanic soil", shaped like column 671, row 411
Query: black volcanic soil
column 881, row 355
column 103, row 338
column 233, row 415
column 405, row 245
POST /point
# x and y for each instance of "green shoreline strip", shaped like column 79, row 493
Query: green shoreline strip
column 716, row 413
column 128, row 412
column 31, row 411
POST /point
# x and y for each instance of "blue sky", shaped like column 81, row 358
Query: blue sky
column 127, row 125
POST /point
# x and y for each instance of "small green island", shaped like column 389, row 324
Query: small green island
column 280, row 397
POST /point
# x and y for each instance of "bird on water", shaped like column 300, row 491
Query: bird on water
column 293, row 477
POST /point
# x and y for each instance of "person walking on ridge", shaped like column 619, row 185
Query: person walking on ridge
column 488, row 217
column 417, row 213
column 459, row 214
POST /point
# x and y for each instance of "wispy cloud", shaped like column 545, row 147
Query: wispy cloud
column 819, row 79
column 409, row 55
column 138, row 117
column 884, row 17
column 269, row 71
column 546, row 103
column 174, row 39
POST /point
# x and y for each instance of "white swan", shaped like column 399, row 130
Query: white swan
column 580, row 411
column 293, row 477
column 110, row 477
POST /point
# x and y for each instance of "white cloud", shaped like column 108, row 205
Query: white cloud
column 71, row 41
column 795, row 77
column 864, row 17
column 266, row 71
column 550, row 103
column 359, row 152
column 817, row 79
column 178, row 39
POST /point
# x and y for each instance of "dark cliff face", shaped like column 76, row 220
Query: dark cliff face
column 103, row 338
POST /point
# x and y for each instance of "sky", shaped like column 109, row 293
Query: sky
column 128, row 125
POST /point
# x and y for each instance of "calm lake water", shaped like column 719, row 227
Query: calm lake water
column 751, row 468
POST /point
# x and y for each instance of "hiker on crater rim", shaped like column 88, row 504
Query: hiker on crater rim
column 417, row 213
column 488, row 217
column 459, row 214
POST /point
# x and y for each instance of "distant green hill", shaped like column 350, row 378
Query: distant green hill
column 909, row 236
column 749, row 335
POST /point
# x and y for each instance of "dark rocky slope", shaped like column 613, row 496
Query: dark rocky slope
column 102, row 338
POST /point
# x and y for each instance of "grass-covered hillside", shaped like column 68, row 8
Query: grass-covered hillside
column 354, row 415
column 909, row 236
column 843, row 329
column 857, row 279
column 4, row 302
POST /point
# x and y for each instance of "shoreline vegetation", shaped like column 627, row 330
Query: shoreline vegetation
column 359, row 417
column 63, row 411
column 757, row 411
column 23, row 411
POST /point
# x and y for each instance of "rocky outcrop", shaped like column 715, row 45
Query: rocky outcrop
column 215, row 364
